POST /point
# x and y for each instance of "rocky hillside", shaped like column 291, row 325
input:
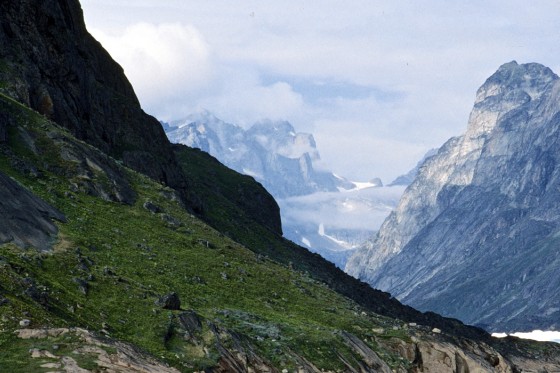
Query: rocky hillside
column 475, row 236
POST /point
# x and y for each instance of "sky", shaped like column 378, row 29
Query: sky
column 377, row 82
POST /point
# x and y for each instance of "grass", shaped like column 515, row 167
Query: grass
column 128, row 257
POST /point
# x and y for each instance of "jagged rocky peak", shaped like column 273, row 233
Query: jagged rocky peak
column 272, row 152
column 511, row 86
column 511, row 79
column 473, row 234
column 280, row 137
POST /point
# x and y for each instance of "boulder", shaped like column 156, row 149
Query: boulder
column 169, row 302
column 25, row 219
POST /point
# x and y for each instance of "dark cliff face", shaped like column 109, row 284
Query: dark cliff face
column 476, row 235
column 49, row 62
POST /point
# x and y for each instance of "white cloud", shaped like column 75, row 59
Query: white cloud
column 163, row 61
column 244, row 100
column 359, row 209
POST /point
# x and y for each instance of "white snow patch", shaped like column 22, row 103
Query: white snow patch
column 536, row 335
column 343, row 244
column 359, row 186
column 306, row 242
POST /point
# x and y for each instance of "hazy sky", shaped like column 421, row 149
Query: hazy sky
column 378, row 83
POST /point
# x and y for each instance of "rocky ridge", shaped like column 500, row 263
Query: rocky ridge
column 474, row 235
column 50, row 63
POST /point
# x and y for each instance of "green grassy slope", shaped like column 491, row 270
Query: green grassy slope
column 112, row 261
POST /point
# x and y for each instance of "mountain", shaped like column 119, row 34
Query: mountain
column 272, row 152
column 475, row 236
column 121, row 271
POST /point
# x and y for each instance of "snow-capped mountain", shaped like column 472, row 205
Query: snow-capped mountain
column 272, row 152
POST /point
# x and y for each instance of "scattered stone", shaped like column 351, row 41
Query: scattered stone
column 154, row 209
column 171, row 221
column 198, row 280
column 24, row 323
column 51, row 365
column 83, row 285
column 169, row 302
column 436, row 330
column 41, row 333
column 207, row 244
column 36, row 353
column 190, row 321
column 224, row 275
column 413, row 324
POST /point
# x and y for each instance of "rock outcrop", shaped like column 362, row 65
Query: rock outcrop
column 104, row 353
column 475, row 236
column 26, row 221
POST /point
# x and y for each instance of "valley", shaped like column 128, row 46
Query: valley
column 121, row 251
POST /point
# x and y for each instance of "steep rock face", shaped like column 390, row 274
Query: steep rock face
column 408, row 178
column 49, row 62
column 475, row 235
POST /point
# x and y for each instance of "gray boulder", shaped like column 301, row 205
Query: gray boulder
column 25, row 219
column 169, row 302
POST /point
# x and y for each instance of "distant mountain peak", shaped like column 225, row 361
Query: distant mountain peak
column 273, row 152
